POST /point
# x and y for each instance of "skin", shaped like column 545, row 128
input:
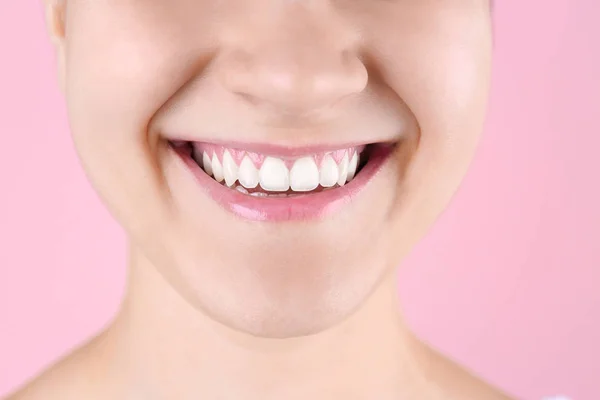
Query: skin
column 218, row 307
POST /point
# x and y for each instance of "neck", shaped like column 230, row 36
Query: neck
column 160, row 343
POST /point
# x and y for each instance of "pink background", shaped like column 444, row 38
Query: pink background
column 506, row 282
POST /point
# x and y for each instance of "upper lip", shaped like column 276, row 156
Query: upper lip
column 283, row 150
column 270, row 149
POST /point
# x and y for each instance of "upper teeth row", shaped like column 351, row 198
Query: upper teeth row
column 274, row 175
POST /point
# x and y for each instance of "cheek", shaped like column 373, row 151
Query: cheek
column 117, row 78
column 442, row 72
column 441, row 68
column 125, row 61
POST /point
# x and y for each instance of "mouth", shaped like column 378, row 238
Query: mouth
column 268, row 183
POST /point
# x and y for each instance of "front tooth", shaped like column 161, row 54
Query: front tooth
column 304, row 175
column 217, row 169
column 343, row 170
column 230, row 169
column 352, row 166
column 248, row 174
column 274, row 175
column 329, row 175
column 206, row 163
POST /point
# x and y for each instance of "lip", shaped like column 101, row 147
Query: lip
column 283, row 151
column 303, row 207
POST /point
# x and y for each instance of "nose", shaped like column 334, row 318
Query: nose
column 298, row 66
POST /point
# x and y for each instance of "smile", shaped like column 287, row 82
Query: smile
column 280, row 184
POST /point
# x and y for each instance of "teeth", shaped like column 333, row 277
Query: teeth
column 217, row 169
column 230, row 169
column 206, row 163
column 274, row 175
column 329, row 175
column 343, row 171
column 304, row 175
column 248, row 174
column 352, row 166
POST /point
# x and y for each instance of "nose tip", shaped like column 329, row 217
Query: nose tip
column 294, row 79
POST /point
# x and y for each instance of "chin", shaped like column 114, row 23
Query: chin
column 312, row 314
column 289, row 293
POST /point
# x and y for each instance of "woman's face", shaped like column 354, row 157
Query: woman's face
column 272, row 97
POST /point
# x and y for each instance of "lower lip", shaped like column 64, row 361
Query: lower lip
column 301, row 207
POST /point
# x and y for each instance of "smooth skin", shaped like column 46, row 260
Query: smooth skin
column 221, row 308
